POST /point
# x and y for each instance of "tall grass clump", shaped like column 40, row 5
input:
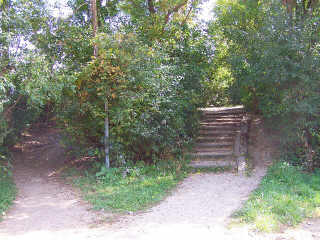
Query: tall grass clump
column 286, row 196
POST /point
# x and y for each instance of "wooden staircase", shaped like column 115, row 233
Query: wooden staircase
column 215, row 142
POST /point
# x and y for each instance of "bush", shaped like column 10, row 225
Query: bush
column 274, row 59
column 148, row 108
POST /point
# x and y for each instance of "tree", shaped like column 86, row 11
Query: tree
column 94, row 15
column 145, row 83
column 274, row 59
column 302, row 8
column 156, row 20
column 20, row 22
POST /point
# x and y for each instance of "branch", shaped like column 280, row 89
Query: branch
column 12, row 106
column 175, row 9
column 186, row 18
column 78, row 8
column 151, row 7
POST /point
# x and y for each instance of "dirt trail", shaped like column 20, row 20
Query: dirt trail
column 47, row 208
column 43, row 204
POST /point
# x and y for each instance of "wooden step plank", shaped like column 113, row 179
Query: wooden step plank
column 214, row 153
column 219, row 120
column 214, row 139
column 222, row 109
column 236, row 119
column 211, row 149
column 218, row 131
column 210, row 123
column 214, row 144
column 222, row 116
column 218, row 127
column 212, row 157
column 208, row 120
column 225, row 112
column 217, row 163
column 215, row 135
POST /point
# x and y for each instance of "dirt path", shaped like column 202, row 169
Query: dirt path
column 199, row 209
column 48, row 209
column 43, row 204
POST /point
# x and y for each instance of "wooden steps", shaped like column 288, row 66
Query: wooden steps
column 217, row 132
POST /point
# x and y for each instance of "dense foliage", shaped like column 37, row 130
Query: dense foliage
column 149, row 110
column 272, row 53
column 146, row 81
column 19, row 22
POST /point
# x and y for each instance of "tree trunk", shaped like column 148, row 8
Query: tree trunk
column 94, row 15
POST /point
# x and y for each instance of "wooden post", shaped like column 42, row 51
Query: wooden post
column 106, row 135
column 240, row 149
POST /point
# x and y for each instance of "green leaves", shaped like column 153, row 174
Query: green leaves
column 146, row 99
column 151, row 75
column 275, row 65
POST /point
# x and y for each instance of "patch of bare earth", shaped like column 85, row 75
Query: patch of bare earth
column 47, row 208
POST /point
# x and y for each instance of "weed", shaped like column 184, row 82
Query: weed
column 286, row 196
column 127, row 189
column 7, row 193
column 7, row 186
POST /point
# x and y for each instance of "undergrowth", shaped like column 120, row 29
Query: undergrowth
column 130, row 188
column 7, row 194
column 285, row 197
column 7, row 187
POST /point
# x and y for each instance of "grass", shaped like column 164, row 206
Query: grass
column 7, row 186
column 130, row 189
column 127, row 189
column 285, row 197
column 7, row 193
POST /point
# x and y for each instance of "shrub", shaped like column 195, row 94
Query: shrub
column 148, row 108
column 274, row 59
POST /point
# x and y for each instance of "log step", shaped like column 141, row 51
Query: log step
column 222, row 116
column 219, row 127
column 218, row 120
column 217, row 132
column 214, row 139
column 213, row 149
column 213, row 155
column 225, row 112
column 214, row 145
